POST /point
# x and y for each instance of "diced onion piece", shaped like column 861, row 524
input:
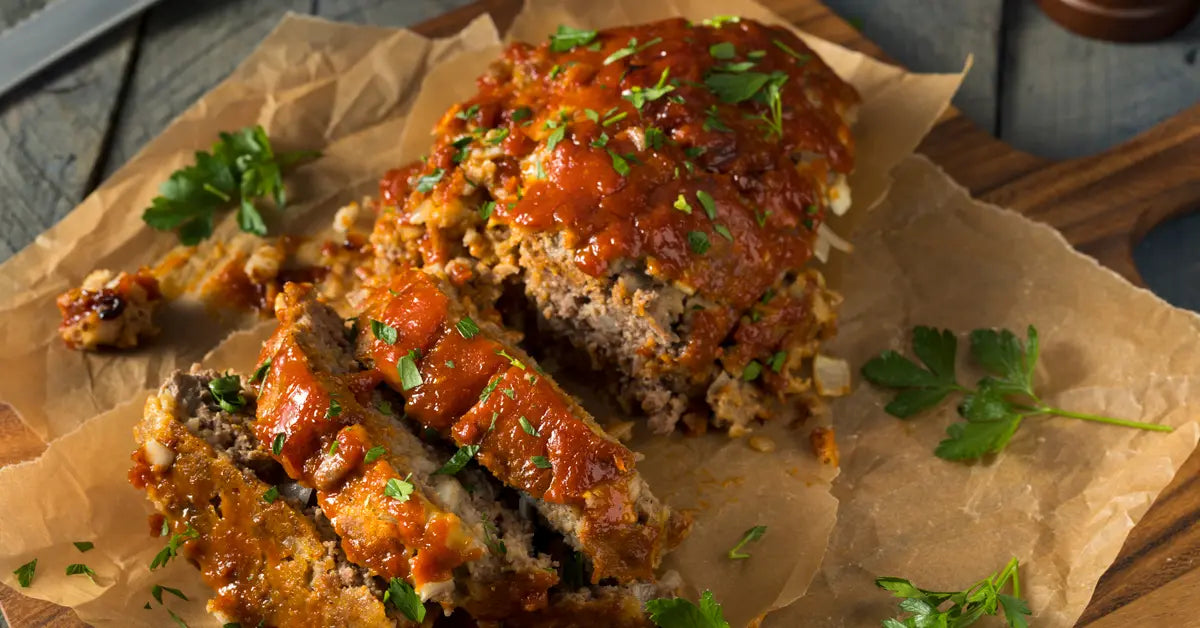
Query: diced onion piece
column 839, row 196
column 827, row 239
column 431, row 590
column 158, row 454
column 831, row 375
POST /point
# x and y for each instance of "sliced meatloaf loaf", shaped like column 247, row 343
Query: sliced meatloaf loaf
column 656, row 193
column 462, row 382
column 378, row 482
column 269, row 555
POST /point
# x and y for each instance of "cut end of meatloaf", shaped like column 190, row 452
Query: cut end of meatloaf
column 378, row 481
column 464, row 384
column 109, row 310
column 656, row 217
column 270, row 560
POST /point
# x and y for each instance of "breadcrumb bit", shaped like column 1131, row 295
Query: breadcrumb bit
column 761, row 443
column 824, row 446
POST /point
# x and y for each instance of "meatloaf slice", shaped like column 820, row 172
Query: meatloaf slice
column 650, row 191
column 482, row 393
column 268, row 557
column 377, row 481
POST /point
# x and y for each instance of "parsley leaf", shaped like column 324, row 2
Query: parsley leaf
column 682, row 613
column 467, row 328
column 631, row 48
column 83, row 546
column 994, row 409
column 384, row 332
column 924, row 608
column 619, row 163
column 541, row 462
column 698, row 240
column 800, row 58
column 458, row 460
column 399, row 490
column 752, row 370
column 241, row 168
column 277, row 443
column 426, row 183
column 566, row 38
column 682, row 205
column 80, row 569
column 751, row 535
column 528, row 427
column 227, row 391
column 735, row 87
column 639, row 96
column 165, row 555
column 374, row 453
column 410, row 377
column 25, row 573
column 260, row 372
column 272, row 494
column 157, row 590
column 555, row 137
column 405, row 598
column 707, row 202
column 722, row 50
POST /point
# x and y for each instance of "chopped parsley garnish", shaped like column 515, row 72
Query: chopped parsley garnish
column 800, row 58
column 615, row 119
column 272, row 494
column 682, row 205
column 25, row 573
column 458, row 460
column 399, row 490
column 540, row 173
column 723, row 50
column 490, row 534
column 678, row 612
column 374, row 453
column 467, row 328
column 405, row 599
column 655, row 138
column 736, row 87
column 521, row 113
column 712, row 121
column 333, row 447
column 80, row 569
column 773, row 96
column 777, row 360
column 761, row 217
column 601, row 141
column 619, row 163
column 631, row 48
column 468, row 114
column 751, row 535
column 528, row 427
column 334, row 410
column 449, row 364
column 277, row 444
column 227, row 391
column 591, row 114
column 508, row 392
column 157, row 591
column 541, row 462
column 723, row 231
column 736, row 68
column 83, row 546
column 177, row 619
column 172, row 549
column 383, row 331
column 425, row 184
column 554, row 71
column 555, row 137
column 751, row 371
column 756, row 54
column 511, row 360
column 260, row 372
column 698, row 240
column 487, row 392
column 566, row 38
column 639, row 96
column 485, row 210
column 717, row 21
column 921, row 607
column 410, row 377
column 463, row 145
column 694, row 151
column 495, row 136
column 707, row 202
column 384, row 406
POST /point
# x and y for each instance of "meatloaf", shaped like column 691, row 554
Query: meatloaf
column 109, row 310
column 655, row 193
column 464, row 383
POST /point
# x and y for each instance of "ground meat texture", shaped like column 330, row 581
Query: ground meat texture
column 376, row 480
column 109, row 310
column 647, row 198
column 459, row 380
column 268, row 562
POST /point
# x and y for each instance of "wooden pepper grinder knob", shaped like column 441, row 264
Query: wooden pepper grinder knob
column 1122, row 20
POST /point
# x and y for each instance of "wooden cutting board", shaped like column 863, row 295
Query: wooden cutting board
column 1102, row 204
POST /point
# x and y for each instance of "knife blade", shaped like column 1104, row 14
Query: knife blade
column 56, row 29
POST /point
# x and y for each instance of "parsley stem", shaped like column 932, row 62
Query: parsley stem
column 1044, row 409
column 211, row 189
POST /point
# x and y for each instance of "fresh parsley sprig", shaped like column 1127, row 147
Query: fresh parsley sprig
column 678, row 612
column 994, row 409
column 241, row 168
column 923, row 608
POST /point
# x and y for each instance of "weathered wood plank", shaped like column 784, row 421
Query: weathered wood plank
column 385, row 12
column 187, row 47
column 52, row 132
column 937, row 36
column 1066, row 96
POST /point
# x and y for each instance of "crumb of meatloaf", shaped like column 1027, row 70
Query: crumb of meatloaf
column 109, row 310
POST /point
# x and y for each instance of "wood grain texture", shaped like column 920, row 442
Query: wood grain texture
column 1101, row 203
column 1065, row 96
